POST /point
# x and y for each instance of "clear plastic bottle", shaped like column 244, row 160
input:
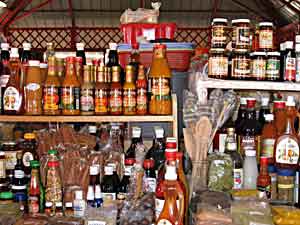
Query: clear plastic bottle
column 250, row 170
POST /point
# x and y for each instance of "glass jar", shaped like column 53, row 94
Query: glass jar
column 285, row 185
column 241, row 33
column 266, row 36
column 218, row 64
column 240, row 68
column 10, row 149
column 258, row 65
column 273, row 66
column 219, row 36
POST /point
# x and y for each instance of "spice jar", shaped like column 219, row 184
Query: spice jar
column 285, row 178
column 258, row 65
column 33, row 89
column 219, row 37
column 241, row 34
column 240, row 68
column 273, row 66
column 266, row 33
column 218, row 64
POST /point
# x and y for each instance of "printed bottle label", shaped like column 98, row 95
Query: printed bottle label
column 10, row 160
column 101, row 102
column 33, row 204
column 27, row 157
column 218, row 35
column 115, row 100
column 247, row 143
column 12, row 99
column 107, row 197
column 218, row 66
column 287, row 151
column 290, row 69
column 141, row 100
column 2, row 169
column 149, row 184
column 273, row 66
column 33, row 87
column 242, row 36
column 19, row 174
column 268, row 147
column 259, row 68
column 266, row 39
column 51, row 98
column 129, row 100
column 71, row 98
column 238, row 176
column 160, row 87
column 87, row 100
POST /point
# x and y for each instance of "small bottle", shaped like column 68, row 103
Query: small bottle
column 68, row 212
column 49, row 52
column 289, row 64
column 59, row 209
column 101, row 93
column 98, row 196
column 123, row 186
column 149, row 179
column 49, row 209
column 19, row 181
column 109, row 185
column 79, row 205
column 80, row 52
column 264, row 179
column 136, row 138
column 87, row 104
column 115, row 99
column 129, row 92
column 141, row 92
column 250, row 170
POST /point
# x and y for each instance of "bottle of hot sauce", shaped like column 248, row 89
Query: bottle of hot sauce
column 268, row 138
column 101, row 93
column 264, row 179
column 129, row 92
column 115, row 100
column 141, row 95
column 87, row 105
column 70, row 90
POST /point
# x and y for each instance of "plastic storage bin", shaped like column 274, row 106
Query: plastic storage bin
column 178, row 55
column 149, row 31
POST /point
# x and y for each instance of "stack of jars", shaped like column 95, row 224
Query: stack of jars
column 261, row 64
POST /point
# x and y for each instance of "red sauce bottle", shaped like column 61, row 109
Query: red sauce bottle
column 263, row 179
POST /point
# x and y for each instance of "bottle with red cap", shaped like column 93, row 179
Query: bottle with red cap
column 250, row 129
column 123, row 186
column 264, row 179
column 149, row 179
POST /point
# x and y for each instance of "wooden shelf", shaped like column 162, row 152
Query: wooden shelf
column 86, row 119
column 249, row 85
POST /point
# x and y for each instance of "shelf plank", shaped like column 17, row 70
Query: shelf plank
column 86, row 119
column 249, row 85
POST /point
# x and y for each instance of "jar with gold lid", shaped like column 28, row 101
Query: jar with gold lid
column 219, row 34
column 218, row 64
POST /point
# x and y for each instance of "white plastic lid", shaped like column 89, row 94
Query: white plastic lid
column 80, row 46
column 94, row 170
column 219, row 20
column 98, row 194
column 69, row 204
column 297, row 47
column 264, row 101
column 48, row 204
column 4, row 46
column 43, row 65
column 240, row 21
column 2, row 153
column 289, row 45
column 259, row 54
column 26, row 46
column 34, row 63
column 269, row 117
column 250, row 153
column 273, row 54
column 243, row 101
column 113, row 46
column 90, row 193
column 14, row 53
column 282, row 46
column 136, row 132
column 297, row 39
column 92, row 129
column 108, row 170
column 290, row 101
column 79, row 195
column 159, row 132
column 58, row 204
column 266, row 24
column 170, row 173
column 171, row 139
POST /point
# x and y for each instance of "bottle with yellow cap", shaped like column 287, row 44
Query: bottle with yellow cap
column 129, row 92
column 29, row 153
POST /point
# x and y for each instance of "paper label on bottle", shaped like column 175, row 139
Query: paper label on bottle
column 19, row 174
column 115, row 100
column 287, row 151
column 159, row 204
column 27, row 157
column 218, row 66
column 242, row 36
column 71, row 98
column 258, row 68
column 164, row 222
column 298, row 69
column 128, row 170
column 101, row 101
column 160, row 87
column 96, row 222
column 129, row 99
column 33, row 87
column 12, row 99
column 247, row 143
column 141, row 99
column 268, row 147
column 238, row 176
column 266, row 39
column 218, row 35
column 4, row 80
column 273, row 67
column 108, row 197
column 290, row 69
column 87, row 100
column 264, row 192
column 149, row 184
column 222, row 142
column 51, row 98
column 2, row 169
column 33, row 204
column 10, row 160
column 240, row 67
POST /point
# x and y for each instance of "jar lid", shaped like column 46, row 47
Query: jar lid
column 240, row 21
column 20, row 197
column 279, row 104
column 6, row 195
column 250, row 153
column 217, row 50
column 259, row 54
column 129, row 161
column 238, row 50
column 286, row 172
column 266, row 24
column 43, row 65
column 29, row 136
column 34, row 163
column 219, row 20
column 52, row 152
column 273, row 54
column 48, row 204
column 148, row 163
column 34, row 63
column 269, row 117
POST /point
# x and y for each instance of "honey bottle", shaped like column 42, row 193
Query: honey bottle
column 129, row 92
column 87, row 105
column 141, row 95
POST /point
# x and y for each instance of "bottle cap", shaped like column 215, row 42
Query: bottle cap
column 159, row 132
column 243, row 101
column 135, row 46
column 69, row 204
column 251, row 102
column 290, row 101
column 250, row 153
column 90, row 193
column 14, row 53
column 264, row 101
column 43, row 65
column 136, row 132
column 35, row 63
column 79, row 195
column 266, row 24
column 34, row 163
column 29, row 136
column 240, row 21
column 58, row 204
column 279, row 104
column 94, row 170
column 6, row 195
column 170, row 173
column 286, row 172
column 98, row 194
column 52, row 152
column 108, row 170
column 219, row 20
column 171, row 142
column 113, row 46
column 230, row 130
column 80, row 46
column 263, row 160
column 179, row 155
column 48, row 204
column 26, row 46
column 269, row 117
column 92, row 129
column 148, row 163
column 129, row 162
column 289, row 45
column 4, row 46
column 2, row 153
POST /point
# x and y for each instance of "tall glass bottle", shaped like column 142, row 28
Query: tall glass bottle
column 124, row 184
column 240, row 120
column 49, row 52
column 5, row 72
column 160, row 75
column 26, row 53
column 115, row 99
column 29, row 153
column 129, row 92
column 70, row 90
column 135, row 59
column 13, row 94
column 87, row 104
column 141, row 92
column 136, row 139
column 264, row 179
column 231, row 149
column 108, row 185
column 113, row 60
column 19, row 180
column 101, row 93
column 80, row 52
column 90, row 196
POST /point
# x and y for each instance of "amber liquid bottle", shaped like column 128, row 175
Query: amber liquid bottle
column 51, row 89
column 115, row 99
column 101, row 93
column 141, row 95
column 70, row 90
column 87, row 104
column 129, row 92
